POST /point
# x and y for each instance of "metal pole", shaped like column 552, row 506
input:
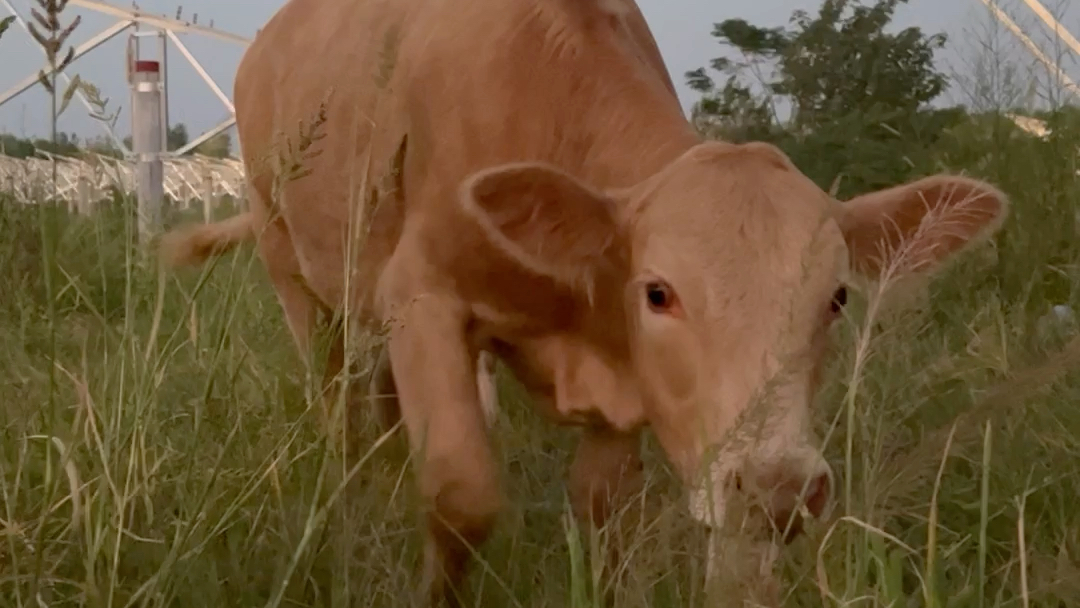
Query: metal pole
column 209, row 201
column 148, row 145
column 84, row 193
column 164, row 46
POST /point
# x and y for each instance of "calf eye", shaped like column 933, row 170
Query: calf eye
column 839, row 299
column 659, row 295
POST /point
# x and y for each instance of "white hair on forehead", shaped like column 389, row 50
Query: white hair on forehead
column 768, row 432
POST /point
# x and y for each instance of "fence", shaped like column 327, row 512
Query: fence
column 81, row 183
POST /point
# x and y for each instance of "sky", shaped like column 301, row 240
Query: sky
column 681, row 27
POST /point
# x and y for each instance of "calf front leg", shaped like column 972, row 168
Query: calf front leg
column 438, row 398
column 382, row 390
column 606, row 472
column 605, row 475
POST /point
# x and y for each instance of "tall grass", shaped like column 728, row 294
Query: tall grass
column 181, row 461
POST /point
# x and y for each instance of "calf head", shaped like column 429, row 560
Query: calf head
column 699, row 301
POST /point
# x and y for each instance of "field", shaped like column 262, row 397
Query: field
column 161, row 442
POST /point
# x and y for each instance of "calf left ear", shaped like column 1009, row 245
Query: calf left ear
column 545, row 220
column 918, row 226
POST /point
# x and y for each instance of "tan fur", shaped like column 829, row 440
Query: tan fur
column 194, row 245
column 550, row 182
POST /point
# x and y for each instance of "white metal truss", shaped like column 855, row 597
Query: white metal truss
column 1034, row 126
column 129, row 19
column 186, row 178
column 167, row 29
column 1059, row 30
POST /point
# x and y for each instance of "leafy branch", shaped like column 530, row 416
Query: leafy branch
column 52, row 41
column 5, row 23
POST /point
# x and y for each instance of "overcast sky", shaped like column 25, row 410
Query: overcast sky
column 681, row 28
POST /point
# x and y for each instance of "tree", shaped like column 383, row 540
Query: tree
column 102, row 145
column 177, row 137
column 841, row 60
column 217, row 146
column 66, row 144
column 858, row 95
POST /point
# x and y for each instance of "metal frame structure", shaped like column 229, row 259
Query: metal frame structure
column 1055, row 26
column 185, row 178
column 1034, row 126
column 162, row 28
column 166, row 30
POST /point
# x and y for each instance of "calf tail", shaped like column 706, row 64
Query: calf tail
column 193, row 245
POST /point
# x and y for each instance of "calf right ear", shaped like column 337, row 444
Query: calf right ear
column 546, row 221
column 918, row 226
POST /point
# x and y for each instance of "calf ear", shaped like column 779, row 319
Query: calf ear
column 545, row 220
column 918, row 226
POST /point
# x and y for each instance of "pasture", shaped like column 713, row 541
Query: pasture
column 161, row 442
column 162, row 447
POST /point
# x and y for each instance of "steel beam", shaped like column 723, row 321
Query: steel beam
column 1007, row 21
column 102, row 37
column 160, row 22
column 1059, row 30
column 201, row 71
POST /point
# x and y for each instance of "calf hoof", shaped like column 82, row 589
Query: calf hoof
column 463, row 515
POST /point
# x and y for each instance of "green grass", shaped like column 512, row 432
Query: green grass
column 161, row 443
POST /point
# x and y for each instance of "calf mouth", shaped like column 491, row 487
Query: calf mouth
column 751, row 518
column 787, row 527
